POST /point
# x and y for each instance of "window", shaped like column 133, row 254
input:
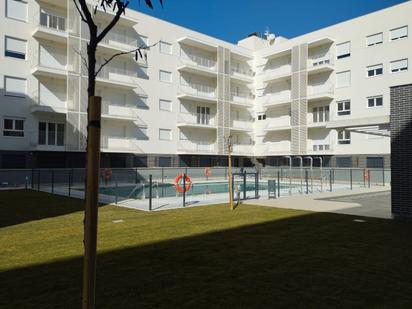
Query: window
column 399, row 33
column 343, row 79
column 165, row 105
column 15, row 86
column 165, row 76
column 343, row 137
column 343, row 107
column 343, row 161
column 321, row 147
column 375, row 101
column 13, row 127
column 374, row 39
column 320, row 114
column 343, row 50
column 16, row 9
column 203, row 115
column 142, row 72
column 141, row 134
column 165, row 162
column 52, row 21
column 51, row 134
column 375, row 70
column 165, row 48
column 262, row 117
column 399, row 65
column 374, row 162
column 165, row 134
column 15, row 48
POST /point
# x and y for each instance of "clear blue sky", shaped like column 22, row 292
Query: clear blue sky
column 232, row 20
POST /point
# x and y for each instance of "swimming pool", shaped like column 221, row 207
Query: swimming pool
column 168, row 190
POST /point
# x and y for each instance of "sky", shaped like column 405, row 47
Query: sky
column 233, row 20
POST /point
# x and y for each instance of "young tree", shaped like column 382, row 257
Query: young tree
column 87, row 12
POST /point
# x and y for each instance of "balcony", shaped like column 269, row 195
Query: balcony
column 320, row 92
column 115, row 42
column 242, row 149
column 196, row 64
column 48, row 102
column 123, row 144
column 278, row 124
column 277, row 99
column 243, row 99
column 320, row 64
column 279, row 73
column 202, row 121
column 273, row 148
column 320, row 123
column 197, row 92
column 242, row 73
column 192, row 147
column 121, row 112
column 50, row 27
column 241, row 125
column 123, row 78
column 50, row 63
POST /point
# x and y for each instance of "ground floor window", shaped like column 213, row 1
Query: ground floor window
column 51, row 134
column 344, row 162
column 165, row 162
column 374, row 162
column 343, row 137
column 13, row 127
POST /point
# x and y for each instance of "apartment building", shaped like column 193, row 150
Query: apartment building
column 324, row 94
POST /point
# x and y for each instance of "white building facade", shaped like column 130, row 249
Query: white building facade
column 323, row 94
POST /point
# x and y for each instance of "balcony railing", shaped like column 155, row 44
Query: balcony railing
column 314, row 90
column 241, row 124
column 245, row 98
column 196, row 147
column 278, row 97
column 273, row 71
column 280, row 147
column 116, row 74
column 199, row 119
column 50, row 21
column 55, row 102
column 278, row 122
column 120, row 143
column 120, row 40
column 56, row 60
column 120, row 111
column 199, row 61
column 242, row 148
column 198, row 90
column 242, row 70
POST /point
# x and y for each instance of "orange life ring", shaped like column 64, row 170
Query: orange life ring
column 179, row 183
column 208, row 171
column 106, row 173
column 366, row 174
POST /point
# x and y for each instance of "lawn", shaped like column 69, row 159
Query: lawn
column 253, row 257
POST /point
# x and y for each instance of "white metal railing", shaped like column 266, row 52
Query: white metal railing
column 198, row 90
column 242, row 148
column 320, row 89
column 119, row 143
column 114, row 73
column 242, row 70
column 273, row 98
column 121, row 111
column 277, row 147
column 58, row 59
column 274, row 71
column 52, row 101
column 241, row 124
column 200, row 119
column 196, row 146
column 278, row 122
column 199, row 61
column 50, row 21
column 242, row 97
column 320, row 60
column 120, row 40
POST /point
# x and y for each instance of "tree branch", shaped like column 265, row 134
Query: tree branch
column 83, row 58
column 80, row 12
column 121, row 7
column 139, row 49
column 86, row 12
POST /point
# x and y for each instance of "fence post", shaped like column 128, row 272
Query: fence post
column 70, row 181
column 38, row 180
column 330, row 180
column 244, row 185
column 52, row 180
column 32, row 178
column 369, row 178
column 115, row 179
column 256, row 185
column 184, row 190
column 150, row 192
column 383, row 176
column 351, row 185
column 278, row 184
column 306, row 179
column 163, row 175
column 135, row 175
column 333, row 179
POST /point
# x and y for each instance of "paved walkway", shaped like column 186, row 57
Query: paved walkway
column 373, row 202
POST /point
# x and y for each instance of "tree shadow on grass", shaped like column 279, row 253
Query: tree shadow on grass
column 315, row 260
column 19, row 206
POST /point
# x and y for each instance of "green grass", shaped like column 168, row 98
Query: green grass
column 253, row 257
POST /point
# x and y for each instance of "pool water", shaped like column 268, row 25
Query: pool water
column 169, row 190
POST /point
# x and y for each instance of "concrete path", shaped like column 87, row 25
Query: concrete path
column 373, row 202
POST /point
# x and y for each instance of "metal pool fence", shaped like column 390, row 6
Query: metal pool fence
column 153, row 188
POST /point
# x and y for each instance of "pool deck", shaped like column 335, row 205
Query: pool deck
column 364, row 202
